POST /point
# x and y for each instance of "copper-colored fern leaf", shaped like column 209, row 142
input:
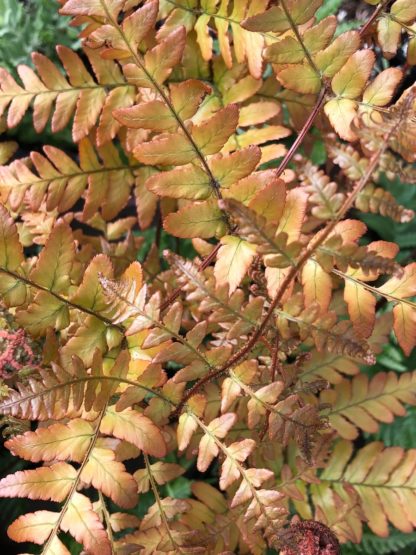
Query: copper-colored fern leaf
column 327, row 335
column 236, row 348
column 54, row 94
column 323, row 193
column 362, row 403
column 398, row 122
column 381, row 478
column 64, row 393
column 378, row 201
column 60, row 182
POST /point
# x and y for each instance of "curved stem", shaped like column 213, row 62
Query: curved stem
column 291, row 275
column 371, row 20
column 299, row 139
column 91, row 446
column 298, row 36
column 160, row 504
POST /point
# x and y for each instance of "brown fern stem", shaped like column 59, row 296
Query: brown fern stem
column 299, row 139
column 371, row 20
column 274, row 370
column 294, row 270
column 299, row 38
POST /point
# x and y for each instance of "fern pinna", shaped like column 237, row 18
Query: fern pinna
column 240, row 347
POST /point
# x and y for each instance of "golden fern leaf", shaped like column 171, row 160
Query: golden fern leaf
column 381, row 478
column 60, row 182
column 65, row 393
column 80, row 94
column 361, row 403
column 246, row 46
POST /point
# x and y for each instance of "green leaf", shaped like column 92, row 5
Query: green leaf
column 329, row 7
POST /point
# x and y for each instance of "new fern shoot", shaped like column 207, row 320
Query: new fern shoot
column 218, row 396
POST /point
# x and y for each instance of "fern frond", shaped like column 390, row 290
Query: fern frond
column 378, row 201
column 323, row 193
column 347, row 158
column 188, row 351
column 394, row 167
column 64, row 393
column 126, row 297
column 348, row 254
column 324, row 330
column 60, row 182
column 277, row 249
column 265, row 510
column 59, row 96
column 398, row 123
column 298, row 51
column 362, row 403
column 179, row 109
column 373, row 545
column 329, row 366
column 233, row 313
column 399, row 289
column 246, row 47
column 382, row 479
column 159, row 531
column 42, row 526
